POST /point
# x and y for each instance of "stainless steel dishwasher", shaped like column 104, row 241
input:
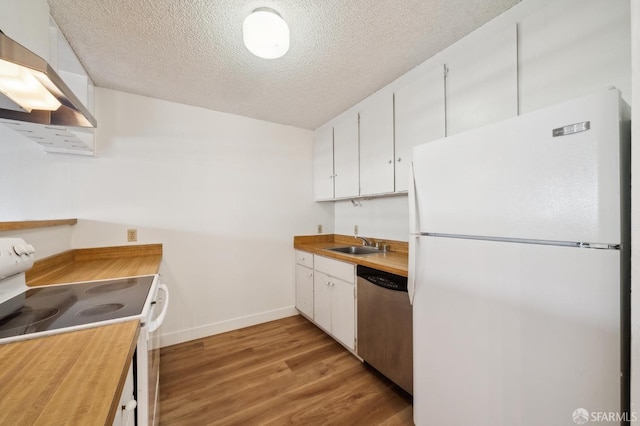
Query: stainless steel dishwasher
column 385, row 325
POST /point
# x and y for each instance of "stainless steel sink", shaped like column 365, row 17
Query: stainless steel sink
column 356, row 250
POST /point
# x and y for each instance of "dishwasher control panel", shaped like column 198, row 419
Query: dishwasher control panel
column 383, row 279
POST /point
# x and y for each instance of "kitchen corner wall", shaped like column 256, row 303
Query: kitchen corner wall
column 224, row 194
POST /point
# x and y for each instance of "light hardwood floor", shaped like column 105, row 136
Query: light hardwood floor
column 282, row 372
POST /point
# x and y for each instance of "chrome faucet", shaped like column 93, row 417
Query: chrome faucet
column 365, row 242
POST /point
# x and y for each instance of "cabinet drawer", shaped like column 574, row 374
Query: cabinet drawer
column 305, row 259
column 335, row 268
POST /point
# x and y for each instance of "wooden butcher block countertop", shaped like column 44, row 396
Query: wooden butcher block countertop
column 98, row 263
column 394, row 261
column 67, row 379
column 74, row 378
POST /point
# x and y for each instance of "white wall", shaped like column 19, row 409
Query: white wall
column 635, row 211
column 224, row 194
column 376, row 217
column 34, row 185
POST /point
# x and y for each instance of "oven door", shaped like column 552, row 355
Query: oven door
column 148, row 359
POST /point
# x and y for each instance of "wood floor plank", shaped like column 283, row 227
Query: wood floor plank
column 279, row 373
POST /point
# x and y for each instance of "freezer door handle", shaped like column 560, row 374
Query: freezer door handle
column 411, row 279
column 414, row 226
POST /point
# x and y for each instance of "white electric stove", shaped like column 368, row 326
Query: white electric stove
column 31, row 312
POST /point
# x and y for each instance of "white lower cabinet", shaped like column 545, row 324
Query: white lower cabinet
column 304, row 283
column 304, row 290
column 322, row 300
column 126, row 414
column 334, row 300
column 343, row 312
column 325, row 293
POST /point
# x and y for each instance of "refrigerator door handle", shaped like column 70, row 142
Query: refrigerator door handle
column 411, row 279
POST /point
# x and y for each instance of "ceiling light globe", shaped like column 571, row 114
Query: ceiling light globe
column 265, row 33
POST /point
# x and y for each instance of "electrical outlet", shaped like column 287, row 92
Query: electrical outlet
column 132, row 235
column 355, row 229
column 319, row 229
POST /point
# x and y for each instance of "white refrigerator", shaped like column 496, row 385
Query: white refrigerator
column 519, row 269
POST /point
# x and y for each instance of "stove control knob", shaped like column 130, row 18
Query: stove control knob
column 30, row 249
column 19, row 249
column 130, row 406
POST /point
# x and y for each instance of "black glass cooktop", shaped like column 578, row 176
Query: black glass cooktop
column 56, row 307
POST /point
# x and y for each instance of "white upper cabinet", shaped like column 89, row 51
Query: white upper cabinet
column 323, row 164
column 482, row 82
column 513, row 65
column 27, row 22
column 376, row 146
column 569, row 49
column 345, row 157
column 69, row 67
column 419, row 118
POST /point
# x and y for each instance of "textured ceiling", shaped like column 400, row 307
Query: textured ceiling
column 191, row 51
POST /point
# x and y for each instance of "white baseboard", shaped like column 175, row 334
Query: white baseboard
column 182, row 336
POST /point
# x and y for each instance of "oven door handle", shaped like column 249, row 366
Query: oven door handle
column 155, row 324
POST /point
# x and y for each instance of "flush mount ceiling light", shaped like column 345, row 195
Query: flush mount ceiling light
column 265, row 33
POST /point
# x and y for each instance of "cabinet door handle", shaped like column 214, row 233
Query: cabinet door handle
column 310, row 274
column 390, row 161
column 399, row 159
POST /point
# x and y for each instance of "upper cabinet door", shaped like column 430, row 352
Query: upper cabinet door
column 419, row 118
column 27, row 22
column 376, row 146
column 567, row 50
column 482, row 82
column 323, row 164
column 345, row 157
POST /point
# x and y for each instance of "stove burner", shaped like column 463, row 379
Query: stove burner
column 108, row 288
column 100, row 309
column 25, row 317
column 48, row 310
